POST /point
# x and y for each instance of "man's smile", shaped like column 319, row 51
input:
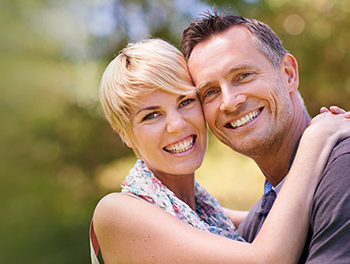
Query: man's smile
column 244, row 119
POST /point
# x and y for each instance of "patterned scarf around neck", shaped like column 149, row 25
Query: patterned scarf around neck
column 209, row 215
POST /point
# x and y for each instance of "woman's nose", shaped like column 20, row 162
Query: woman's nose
column 175, row 122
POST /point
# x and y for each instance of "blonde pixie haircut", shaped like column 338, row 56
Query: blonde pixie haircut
column 139, row 69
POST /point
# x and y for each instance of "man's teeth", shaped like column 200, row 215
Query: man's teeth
column 180, row 146
column 245, row 119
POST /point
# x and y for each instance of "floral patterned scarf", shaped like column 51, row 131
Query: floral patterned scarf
column 209, row 215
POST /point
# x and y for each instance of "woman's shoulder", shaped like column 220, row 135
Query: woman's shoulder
column 112, row 206
column 116, row 212
column 116, row 216
column 114, row 200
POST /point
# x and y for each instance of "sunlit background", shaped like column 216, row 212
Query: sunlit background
column 58, row 154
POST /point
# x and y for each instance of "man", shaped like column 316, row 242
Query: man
column 248, row 85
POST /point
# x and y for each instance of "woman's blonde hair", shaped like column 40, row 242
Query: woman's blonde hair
column 139, row 69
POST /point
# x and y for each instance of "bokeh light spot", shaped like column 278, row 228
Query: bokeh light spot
column 294, row 24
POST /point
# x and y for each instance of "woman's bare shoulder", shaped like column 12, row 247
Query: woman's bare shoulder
column 118, row 221
column 114, row 200
column 114, row 205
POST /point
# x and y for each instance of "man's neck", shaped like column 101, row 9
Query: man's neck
column 275, row 163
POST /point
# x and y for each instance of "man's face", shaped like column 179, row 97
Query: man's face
column 246, row 101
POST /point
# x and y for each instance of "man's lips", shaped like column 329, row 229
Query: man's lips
column 181, row 146
column 244, row 119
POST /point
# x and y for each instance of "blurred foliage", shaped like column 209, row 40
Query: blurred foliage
column 59, row 155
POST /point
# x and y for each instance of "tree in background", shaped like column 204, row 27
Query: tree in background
column 57, row 148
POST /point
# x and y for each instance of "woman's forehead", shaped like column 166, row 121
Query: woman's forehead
column 157, row 98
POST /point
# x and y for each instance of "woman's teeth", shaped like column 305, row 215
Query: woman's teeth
column 181, row 146
column 245, row 119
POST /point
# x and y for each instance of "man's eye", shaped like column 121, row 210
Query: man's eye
column 244, row 75
column 186, row 102
column 150, row 116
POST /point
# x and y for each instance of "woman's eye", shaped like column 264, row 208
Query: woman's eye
column 209, row 92
column 186, row 102
column 150, row 116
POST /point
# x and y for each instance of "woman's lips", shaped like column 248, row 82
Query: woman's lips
column 181, row 146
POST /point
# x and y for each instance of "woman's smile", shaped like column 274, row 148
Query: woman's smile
column 181, row 146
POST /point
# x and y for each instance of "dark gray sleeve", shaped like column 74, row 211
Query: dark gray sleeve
column 250, row 226
column 330, row 212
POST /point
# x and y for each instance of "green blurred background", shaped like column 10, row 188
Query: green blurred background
column 58, row 154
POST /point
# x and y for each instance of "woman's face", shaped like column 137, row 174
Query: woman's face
column 169, row 132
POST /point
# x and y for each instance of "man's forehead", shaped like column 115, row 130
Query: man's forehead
column 234, row 34
column 236, row 38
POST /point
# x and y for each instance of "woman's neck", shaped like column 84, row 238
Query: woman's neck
column 181, row 185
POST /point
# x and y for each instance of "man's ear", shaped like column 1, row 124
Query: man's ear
column 289, row 67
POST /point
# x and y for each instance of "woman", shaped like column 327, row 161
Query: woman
column 148, row 98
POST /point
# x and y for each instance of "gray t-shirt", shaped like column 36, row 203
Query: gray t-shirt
column 328, row 239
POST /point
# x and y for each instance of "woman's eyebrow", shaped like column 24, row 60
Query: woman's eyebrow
column 147, row 108
column 155, row 107
column 180, row 98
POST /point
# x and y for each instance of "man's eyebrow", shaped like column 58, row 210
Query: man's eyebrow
column 228, row 72
column 148, row 108
column 239, row 68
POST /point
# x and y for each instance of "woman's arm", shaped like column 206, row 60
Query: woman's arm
column 132, row 231
column 235, row 216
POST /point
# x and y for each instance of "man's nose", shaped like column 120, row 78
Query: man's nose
column 175, row 122
column 231, row 99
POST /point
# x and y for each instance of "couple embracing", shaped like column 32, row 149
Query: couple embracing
column 235, row 75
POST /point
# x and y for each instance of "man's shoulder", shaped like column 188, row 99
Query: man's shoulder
column 337, row 169
column 332, row 196
column 338, row 163
column 330, row 212
column 342, row 147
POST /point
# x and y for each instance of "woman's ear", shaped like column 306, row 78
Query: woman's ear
column 290, row 69
column 126, row 140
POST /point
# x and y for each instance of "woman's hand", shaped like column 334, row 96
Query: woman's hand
column 333, row 109
column 333, row 124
